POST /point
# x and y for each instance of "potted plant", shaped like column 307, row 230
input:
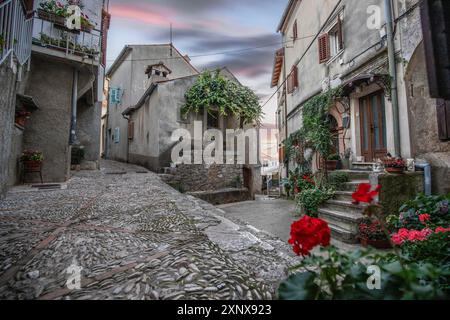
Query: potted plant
column 21, row 117
column 394, row 165
column 332, row 162
column 32, row 160
column 53, row 11
column 371, row 234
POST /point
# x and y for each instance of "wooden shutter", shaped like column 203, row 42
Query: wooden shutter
column 106, row 21
column 131, row 130
column 290, row 88
column 443, row 115
column 295, row 31
column 324, row 48
column 295, row 77
column 340, row 34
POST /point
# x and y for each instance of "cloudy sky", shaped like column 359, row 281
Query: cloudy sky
column 204, row 27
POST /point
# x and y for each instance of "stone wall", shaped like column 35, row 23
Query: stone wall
column 397, row 189
column 7, row 110
column 14, row 159
column 203, row 178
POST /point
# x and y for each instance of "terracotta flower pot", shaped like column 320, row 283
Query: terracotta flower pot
column 44, row 15
column 377, row 244
column 395, row 170
column 332, row 165
column 32, row 165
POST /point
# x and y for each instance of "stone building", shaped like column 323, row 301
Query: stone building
column 147, row 112
column 386, row 106
column 332, row 43
column 61, row 85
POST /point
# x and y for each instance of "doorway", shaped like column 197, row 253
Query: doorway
column 373, row 126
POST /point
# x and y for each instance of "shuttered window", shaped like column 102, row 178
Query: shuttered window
column 130, row 130
column 324, row 48
column 295, row 31
column 443, row 115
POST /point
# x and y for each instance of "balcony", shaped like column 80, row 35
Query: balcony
column 51, row 37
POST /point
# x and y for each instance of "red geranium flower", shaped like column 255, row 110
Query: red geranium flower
column 308, row 233
column 442, row 230
column 364, row 193
column 424, row 218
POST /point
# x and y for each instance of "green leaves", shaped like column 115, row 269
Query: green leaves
column 299, row 286
column 212, row 91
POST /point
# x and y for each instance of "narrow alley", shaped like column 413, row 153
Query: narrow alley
column 135, row 238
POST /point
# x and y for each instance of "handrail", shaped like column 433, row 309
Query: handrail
column 15, row 32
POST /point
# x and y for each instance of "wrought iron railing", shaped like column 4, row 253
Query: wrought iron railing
column 47, row 33
column 16, row 30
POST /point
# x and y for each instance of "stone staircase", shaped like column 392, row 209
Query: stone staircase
column 341, row 214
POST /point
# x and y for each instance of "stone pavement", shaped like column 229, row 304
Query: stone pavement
column 135, row 238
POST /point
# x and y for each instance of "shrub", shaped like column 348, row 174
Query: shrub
column 78, row 154
column 311, row 199
column 337, row 179
column 30, row 155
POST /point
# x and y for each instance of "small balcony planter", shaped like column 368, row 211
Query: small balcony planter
column 52, row 17
column 332, row 162
column 394, row 165
column 372, row 235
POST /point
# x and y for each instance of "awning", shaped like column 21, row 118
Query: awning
column 349, row 86
column 27, row 101
column 277, row 66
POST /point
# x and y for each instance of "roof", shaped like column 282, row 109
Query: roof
column 277, row 66
column 141, row 101
column 160, row 64
column 128, row 48
column 119, row 60
column 287, row 14
column 28, row 101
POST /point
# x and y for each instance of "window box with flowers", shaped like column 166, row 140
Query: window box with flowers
column 56, row 12
column 21, row 118
column 32, row 160
column 371, row 234
column 394, row 165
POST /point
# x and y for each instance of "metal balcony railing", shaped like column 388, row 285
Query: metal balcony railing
column 51, row 35
column 15, row 32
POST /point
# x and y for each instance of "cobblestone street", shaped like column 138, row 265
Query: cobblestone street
column 135, row 238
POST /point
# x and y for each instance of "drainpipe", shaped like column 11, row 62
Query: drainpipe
column 393, row 75
column 426, row 167
column 73, row 123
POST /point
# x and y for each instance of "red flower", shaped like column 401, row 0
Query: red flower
column 308, row 233
column 405, row 235
column 364, row 193
column 442, row 230
column 424, row 218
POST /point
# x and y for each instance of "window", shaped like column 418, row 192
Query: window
column 292, row 81
column 295, row 31
column 331, row 43
column 116, row 135
column 212, row 119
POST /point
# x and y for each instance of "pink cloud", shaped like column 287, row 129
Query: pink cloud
column 147, row 16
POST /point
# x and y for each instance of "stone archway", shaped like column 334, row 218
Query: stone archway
column 424, row 123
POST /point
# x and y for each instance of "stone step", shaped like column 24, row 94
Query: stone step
column 357, row 174
column 344, row 195
column 343, row 235
column 353, row 185
column 368, row 166
column 344, row 220
column 344, row 206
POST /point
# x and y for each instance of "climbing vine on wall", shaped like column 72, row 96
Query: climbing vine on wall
column 315, row 132
column 214, row 92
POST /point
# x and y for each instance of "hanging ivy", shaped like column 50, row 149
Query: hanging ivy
column 315, row 132
column 214, row 92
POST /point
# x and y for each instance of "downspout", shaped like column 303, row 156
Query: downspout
column 128, row 140
column 426, row 167
column 73, row 123
column 393, row 75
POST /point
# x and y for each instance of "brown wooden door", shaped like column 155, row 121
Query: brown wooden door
column 373, row 126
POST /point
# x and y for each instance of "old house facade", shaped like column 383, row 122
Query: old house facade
column 71, row 60
column 148, row 111
column 333, row 43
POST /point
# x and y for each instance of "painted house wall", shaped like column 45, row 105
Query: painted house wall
column 350, row 62
column 130, row 76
